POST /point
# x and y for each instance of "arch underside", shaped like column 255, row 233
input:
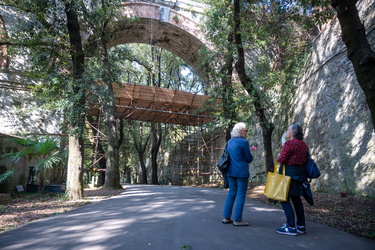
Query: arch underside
column 160, row 34
column 138, row 105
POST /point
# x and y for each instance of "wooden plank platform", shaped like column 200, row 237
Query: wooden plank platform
column 147, row 103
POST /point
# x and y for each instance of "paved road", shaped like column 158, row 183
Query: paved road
column 171, row 218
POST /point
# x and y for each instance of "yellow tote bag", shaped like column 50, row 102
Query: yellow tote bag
column 277, row 185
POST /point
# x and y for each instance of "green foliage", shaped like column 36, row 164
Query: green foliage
column 319, row 10
column 45, row 152
column 143, row 64
column 275, row 36
column 7, row 176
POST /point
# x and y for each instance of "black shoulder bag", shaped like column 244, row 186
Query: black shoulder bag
column 222, row 165
column 223, row 162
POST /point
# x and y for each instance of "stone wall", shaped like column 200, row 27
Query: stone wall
column 20, row 111
column 331, row 107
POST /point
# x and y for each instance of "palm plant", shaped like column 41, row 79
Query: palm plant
column 7, row 178
column 44, row 151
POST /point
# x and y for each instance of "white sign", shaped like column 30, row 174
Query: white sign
column 20, row 188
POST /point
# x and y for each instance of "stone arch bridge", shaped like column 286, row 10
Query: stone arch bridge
column 171, row 25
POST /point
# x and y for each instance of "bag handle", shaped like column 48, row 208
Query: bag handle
column 277, row 166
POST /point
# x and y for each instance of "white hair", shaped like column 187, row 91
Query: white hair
column 236, row 131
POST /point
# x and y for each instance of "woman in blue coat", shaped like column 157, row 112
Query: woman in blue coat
column 238, row 175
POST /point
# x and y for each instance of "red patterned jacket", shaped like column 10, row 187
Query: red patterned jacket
column 294, row 152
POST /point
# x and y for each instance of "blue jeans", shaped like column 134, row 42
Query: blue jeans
column 237, row 189
column 289, row 212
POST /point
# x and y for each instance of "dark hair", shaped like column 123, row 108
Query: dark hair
column 297, row 131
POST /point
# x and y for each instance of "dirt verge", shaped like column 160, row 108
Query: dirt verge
column 350, row 214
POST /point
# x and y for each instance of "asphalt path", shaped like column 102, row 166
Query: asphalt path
column 171, row 218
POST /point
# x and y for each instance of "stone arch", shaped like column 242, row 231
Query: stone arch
column 160, row 26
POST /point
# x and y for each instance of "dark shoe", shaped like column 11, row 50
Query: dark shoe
column 301, row 229
column 287, row 230
column 240, row 223
column 227, row 221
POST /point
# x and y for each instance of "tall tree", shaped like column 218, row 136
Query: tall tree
column 76, row 143
column 262, row 42
column 53, row 44
column 141, row 139
column 267, row 127
column 156, row 132
column 100, row 15
column 219, row 19
column 359, row 50
column 112, row 177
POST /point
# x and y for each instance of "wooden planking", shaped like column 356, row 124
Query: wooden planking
column 146, row 94
column 146, row 103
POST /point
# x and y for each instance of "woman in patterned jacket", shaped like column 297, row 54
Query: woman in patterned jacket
column 294, row 155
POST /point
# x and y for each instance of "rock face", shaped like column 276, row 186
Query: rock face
column 331, row 107
column 20, row 111
column 329, row 103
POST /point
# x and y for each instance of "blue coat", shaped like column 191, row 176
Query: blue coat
column 239, row 157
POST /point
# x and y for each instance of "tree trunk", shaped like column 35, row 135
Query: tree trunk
column 127, row 174
column 76, row 150
column 267, row 127
column 41, row 179
column 126, row 165
column 102, row 164
column 359, row 50
column 267, row 144
column 141, row 149
column 227, row 72
column 112, row 174
column 74, row 183
column 143, row 168
column 141, row 155
column 156, row 141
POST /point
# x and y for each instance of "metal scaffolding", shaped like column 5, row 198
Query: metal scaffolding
column 196, row 152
